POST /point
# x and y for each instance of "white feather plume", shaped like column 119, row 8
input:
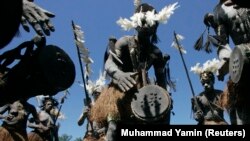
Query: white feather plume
column 179, row 47
column 84, row 52
column 209, row 65
column 150, row 17
column 166, row 12
column 137, row 19
column 125, row 24
column 101, row 80
column 197, row 69
column 40, row 98
column 93, row 86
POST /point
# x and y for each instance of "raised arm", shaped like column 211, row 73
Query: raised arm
column 37, row 17
column 160, row 68
column 197, row 112
column 114, row 65
column 3, row 109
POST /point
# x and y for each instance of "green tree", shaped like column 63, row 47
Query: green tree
column 78, row 139
column 65, row 137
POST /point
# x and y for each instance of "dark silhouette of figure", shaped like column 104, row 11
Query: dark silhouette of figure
column 230, row 21
column 34, row 68
column 127, row 65
column 208, row 109
column 238, row 3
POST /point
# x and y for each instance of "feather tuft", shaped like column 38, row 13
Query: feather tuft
column 83, row 51
column 166, row 12
column 150, row 17
column 176, row 44
column 199, row 43
column 209, row 65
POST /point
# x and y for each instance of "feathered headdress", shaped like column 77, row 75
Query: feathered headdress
column 41, row 99
column 150, row 17
column 97, row 85
column 208, row 66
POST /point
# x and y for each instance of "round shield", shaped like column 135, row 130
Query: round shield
column 57, row 67
column 236, row 63
column 48, row 70
column 150, row 103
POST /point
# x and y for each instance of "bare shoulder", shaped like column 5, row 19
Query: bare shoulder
column 123, row 41
column 43, row 115
column 218, row 92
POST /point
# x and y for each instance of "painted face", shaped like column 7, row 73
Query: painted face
column 48, row 105
column 145, row 13
column 17, row 113
column 207, row 80
column 146, row 29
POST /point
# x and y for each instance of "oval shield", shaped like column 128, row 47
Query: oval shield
column 236, row 63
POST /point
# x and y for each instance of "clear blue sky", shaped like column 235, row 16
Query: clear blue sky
column 98, row 21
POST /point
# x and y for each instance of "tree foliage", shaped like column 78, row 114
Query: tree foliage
column 78, row 139
column 65, row 137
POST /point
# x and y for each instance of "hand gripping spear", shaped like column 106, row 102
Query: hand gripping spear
column 181, row 50
column 55, row 136
column 83, row 55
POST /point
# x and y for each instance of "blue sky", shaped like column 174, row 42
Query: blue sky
column 98, row 21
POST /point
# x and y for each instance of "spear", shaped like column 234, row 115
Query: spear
column 82, row 53
column 181, row 50
column 62, row 99
column 183, row 62
column 55, row 131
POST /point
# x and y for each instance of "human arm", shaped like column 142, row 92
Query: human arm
column 37, row 17
column 218, row 22
column 224, row 50
column 83, row 116
column 238, row 3
column 124, row 80
column 33, row 113
column 3, row 109
column 160, row 69
column 197, row 111
column 32, row 124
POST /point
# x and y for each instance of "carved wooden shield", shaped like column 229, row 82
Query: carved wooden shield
column 151, row 103
column 236, row 63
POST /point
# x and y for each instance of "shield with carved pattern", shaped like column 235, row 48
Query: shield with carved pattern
column 151, row 103
column 236, row 64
